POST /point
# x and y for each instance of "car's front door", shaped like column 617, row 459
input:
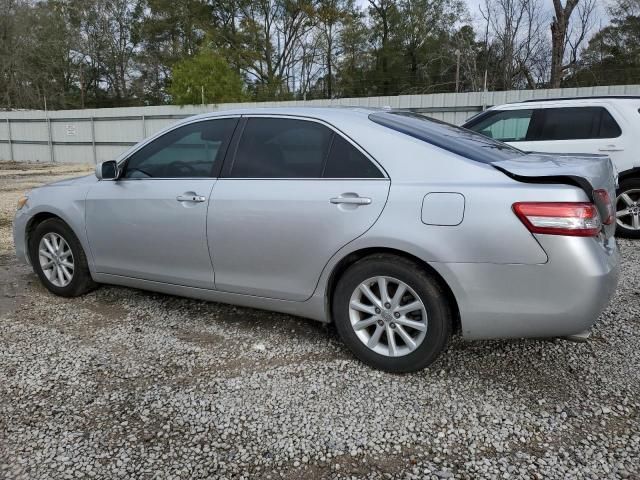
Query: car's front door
column 151, row 222
column 294, row 193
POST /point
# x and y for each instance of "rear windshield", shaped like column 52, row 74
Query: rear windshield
column 460, row 141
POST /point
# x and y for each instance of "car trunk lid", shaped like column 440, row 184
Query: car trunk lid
column 589, row 172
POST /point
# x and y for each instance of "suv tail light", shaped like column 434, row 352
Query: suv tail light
column 605, row 200
column 560, row 218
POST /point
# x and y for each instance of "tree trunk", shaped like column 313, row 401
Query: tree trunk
column 329, row 76
column 559, row 28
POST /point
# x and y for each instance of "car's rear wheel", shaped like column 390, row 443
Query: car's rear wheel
column 391, row 313
column 59, row 260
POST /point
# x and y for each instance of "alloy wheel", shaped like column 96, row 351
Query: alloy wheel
column 628, row 209
column 56, row 259
column 388, row 316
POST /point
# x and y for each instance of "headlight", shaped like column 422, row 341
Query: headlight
column 22, row 201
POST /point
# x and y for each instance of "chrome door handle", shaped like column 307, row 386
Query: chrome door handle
column 191, row 198
column 351, row 200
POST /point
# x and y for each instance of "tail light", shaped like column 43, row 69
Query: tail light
column 604, row 199
column 560, row 218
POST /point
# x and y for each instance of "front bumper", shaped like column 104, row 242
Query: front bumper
column 562, row 297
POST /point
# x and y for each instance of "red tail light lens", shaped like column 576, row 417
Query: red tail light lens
column 602, row 197
column 560, row 218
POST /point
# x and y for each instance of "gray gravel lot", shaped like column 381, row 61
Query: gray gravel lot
column 129, row 384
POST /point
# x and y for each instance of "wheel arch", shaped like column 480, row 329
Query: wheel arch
column 351, row 258
column 36, row 220
column 627, row 174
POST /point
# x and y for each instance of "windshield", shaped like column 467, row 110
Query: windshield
column 458, row 140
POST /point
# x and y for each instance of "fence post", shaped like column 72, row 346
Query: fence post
column 144, row 128
column 93, row 141
column 10, row 140
column 51, row 154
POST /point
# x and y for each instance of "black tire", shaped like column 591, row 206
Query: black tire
column 629, row 184
column 422, row 283
column 81, row 281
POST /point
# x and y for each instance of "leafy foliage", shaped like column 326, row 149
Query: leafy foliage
column 207, row 78
column 92, row 53
column 613, row 54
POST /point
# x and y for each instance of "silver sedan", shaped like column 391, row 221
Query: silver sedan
column 399, row 229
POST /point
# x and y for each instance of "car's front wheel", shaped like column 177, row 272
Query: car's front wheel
column 59, row 260
column 391, row 313
column 628, row 208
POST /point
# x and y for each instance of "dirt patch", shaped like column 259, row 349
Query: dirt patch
column 14, row 283
column 107, row 312
column 199, row 338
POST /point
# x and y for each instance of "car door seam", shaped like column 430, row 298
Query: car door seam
column 349, row 242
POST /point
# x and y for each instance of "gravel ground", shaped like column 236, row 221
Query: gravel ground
column 128, row 384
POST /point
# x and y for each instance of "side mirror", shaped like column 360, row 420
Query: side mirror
column 107, row 170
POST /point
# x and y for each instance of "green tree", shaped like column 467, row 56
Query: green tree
column 355, row 59
column 613, row 55
column 330, row 16
column 206, row 75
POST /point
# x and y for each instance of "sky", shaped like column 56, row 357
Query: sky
column 600, row 16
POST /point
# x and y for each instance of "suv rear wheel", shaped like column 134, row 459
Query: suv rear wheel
column 391, row 313
column 628, row 208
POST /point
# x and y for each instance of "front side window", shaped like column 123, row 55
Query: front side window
column 506, row 126
column 191, row 151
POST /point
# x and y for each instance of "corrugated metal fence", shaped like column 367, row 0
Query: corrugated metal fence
column 95, row 135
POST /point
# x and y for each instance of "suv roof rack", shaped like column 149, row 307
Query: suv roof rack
column 590, row 97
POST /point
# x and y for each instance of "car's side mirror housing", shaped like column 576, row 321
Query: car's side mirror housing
column 107, row 170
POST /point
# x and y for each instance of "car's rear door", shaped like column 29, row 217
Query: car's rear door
column 294, row 192
column 150, row 224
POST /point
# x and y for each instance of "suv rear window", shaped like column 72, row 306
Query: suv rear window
column 460, row 141
column 576, row 123
column 546, row 124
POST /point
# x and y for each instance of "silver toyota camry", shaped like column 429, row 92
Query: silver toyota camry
column 399, row 229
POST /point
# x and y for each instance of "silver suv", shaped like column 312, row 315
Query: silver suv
column 593, row 125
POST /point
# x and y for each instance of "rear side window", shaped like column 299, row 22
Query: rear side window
column 345, row 161
column 609, row 128
column 576, row 123
column 292, row 148
column 460, row 141
column 506, row 126
column 281, row 148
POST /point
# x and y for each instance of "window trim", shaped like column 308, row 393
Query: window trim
column 230, row 156
column 216, row 169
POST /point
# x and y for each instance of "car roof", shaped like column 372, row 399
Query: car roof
column 592, row 97
column 321, row 113
column 568, row 101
